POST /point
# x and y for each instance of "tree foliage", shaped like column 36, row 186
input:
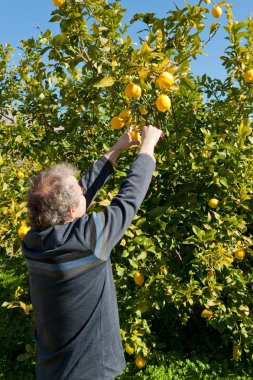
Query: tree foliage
column 58, row 101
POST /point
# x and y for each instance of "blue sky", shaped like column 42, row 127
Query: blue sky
column 21, row 19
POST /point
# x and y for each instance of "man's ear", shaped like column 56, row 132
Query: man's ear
column 72, row 213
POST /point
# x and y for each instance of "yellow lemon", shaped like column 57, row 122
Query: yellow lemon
column 135, row 135
column 58, row 3
column 23, row 231
column 139, row 278
column 132, row 90
column 248, row 76
column 217, row 11
column 163, row 103
column 140, row 361
column 165, row 79
column 213, row 203
column 125, row 113
column 239, row 254
column 206, row 313
column 20, row 175
column 117, row 122
column 207, row 2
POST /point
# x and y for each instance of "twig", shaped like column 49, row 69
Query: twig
column 6, row 117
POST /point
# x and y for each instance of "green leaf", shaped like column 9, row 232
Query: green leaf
column 23, row 357
column 129, row 233
column 55, row 18
column 200, row 233
column 213, row 27
column 5, row 304
column 103, row 40
column 105, row 202
column 121, row 174
column 224, row 182
column 133, row 263
column 157, row 211
column 188, row 83
column 105, row 82
column 125, row 253
column 142, row 256
column 140, row 221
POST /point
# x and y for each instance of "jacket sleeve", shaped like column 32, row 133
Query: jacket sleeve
column 109, row 225
column 95, row 178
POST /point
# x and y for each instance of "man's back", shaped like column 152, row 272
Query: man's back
column 75, row 307
column 71, row 281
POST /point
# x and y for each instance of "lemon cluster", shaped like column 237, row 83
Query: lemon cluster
column 134, row 91
column 124, row 118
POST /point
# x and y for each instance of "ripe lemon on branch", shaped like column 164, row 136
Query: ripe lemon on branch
column 126, row 115
column 20, row 175
column 213, row 203
column 248, row 76
column 58, row 3
column 117, row 122
column 165, row 79
column 132, row 90
column 23, row 231
column 239, row 254
column 139, row 278
column 163, row 103
column 217, row 11
column 140, row 362
column 135, row 135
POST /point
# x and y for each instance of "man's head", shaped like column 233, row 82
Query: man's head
column 55, row 197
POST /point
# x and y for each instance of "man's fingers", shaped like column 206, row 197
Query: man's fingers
column 135, row 142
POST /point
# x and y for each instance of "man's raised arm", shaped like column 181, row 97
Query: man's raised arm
column 100, row 172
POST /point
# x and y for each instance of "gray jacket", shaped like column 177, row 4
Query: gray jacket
column 72, row 290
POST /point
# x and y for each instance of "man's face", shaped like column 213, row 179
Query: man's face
column 80, row 210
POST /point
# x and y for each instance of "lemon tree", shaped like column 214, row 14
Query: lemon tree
column 184, row 267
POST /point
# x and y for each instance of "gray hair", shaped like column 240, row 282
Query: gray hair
column 50, row 197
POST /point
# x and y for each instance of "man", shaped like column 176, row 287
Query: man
column 67, row 254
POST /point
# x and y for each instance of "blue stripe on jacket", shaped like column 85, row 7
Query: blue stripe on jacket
column 73, row 264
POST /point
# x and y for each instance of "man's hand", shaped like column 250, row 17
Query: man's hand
column 149, row 138
column 124, row 142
